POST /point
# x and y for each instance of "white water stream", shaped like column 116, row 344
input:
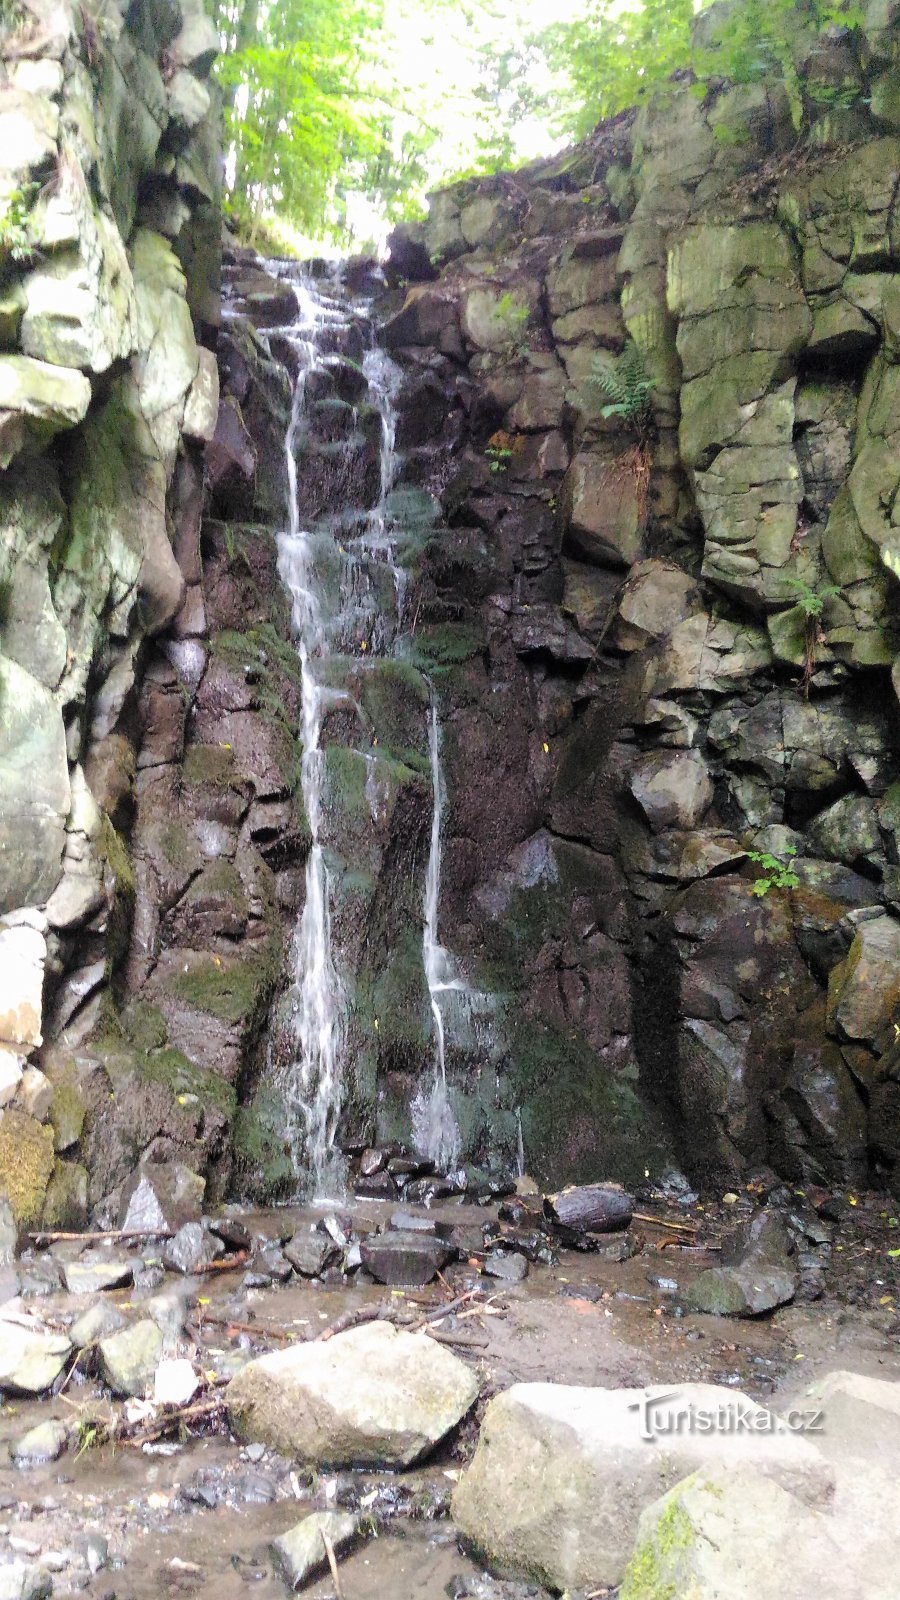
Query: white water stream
column 312, row 1084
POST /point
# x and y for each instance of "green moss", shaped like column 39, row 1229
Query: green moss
column 222, row 880
column 66, row 1200
column 209, row 764
column 178, row 845
column 181, row 1077
column 264, row 1168
column 26, row 1162
column 68, row 1111
column 653, row 1571
column 145, row 1025
column 439, row 647
column 112, row 850
column 229, row 991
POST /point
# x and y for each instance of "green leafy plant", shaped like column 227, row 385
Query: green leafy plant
column 15, row 240
column 776, row 871
column 499, row 456
column 811, row 602
column 628, row 385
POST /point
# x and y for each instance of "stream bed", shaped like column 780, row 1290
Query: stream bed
column 193, row 1512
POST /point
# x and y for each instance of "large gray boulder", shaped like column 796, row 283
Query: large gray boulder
column 562, row 1474
column 375, row 1396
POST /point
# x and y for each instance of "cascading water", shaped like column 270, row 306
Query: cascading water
column 311, row 1087
column 340, row 609
column 435, row 1129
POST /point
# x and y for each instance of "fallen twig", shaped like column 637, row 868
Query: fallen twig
column 332, row 1562
column 256, row 1330
column 92, row 1238
column 666, row 1222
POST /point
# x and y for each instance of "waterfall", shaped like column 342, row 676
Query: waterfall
column 331, row 629
column 311, row 1086
column 435, row 1129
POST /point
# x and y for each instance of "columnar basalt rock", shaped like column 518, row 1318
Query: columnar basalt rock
column 691, row 620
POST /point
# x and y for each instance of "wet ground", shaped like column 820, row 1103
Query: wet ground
column 193, row 1514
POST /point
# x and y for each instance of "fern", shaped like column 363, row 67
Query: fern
column 628, row 385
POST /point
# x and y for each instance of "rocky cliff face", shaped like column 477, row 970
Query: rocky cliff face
column 109, row 251
column 668, row 642
column 660, row 640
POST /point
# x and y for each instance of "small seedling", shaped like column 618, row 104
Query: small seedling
column 776, row 873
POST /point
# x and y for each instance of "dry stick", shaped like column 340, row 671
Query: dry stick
column 664, row 1222
column 253, row 1328
column 332, row 1562
column 91, row 1238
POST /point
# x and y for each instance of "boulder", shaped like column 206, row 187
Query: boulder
column 375, row 1396
column 300, row 1554
column 562, row 1474
column 733, row 1534
column 20, row 1581
column 405, row 1260
column 98, row 1322
column 600, row 507
column 95, row 1271
column 864, row 988
column 43, row 1443
column 128, row 1360
column 744, row 1291
column 30, row 1360
column 673, row 788
column 310, row 1253
column 160, row 1196
column 23, row 952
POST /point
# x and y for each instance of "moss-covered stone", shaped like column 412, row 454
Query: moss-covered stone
column 26, row 1163
column 231, row 990
column 68, row 1109
column 264, row 1169
column 651, row 1573
column 113, row 851
column 66, row 1200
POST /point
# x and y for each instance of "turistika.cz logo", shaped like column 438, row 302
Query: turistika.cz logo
column 661, row 1414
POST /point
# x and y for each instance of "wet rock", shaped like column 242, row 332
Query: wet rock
column 95, row 1271
column 190, row 1250
column 372, row 1161
column 231, row 1230
column 310, row 1253
column 507, row 1265
column 160, row 1197
column 128, row 1360
column 413, row 1222
column 44, row 1443
column 744, row 1291
column 98, row 1322
column 405, row 1260
column 30, row 1360
column 561, row 1474
column 300, row 1553
column 169, row 1311
column 380, row 1186
column 375, row 1396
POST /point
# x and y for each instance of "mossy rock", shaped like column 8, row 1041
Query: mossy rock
column 229, row 990
column 66, row 1200
column 113, row 851
column 652, row 1573
column 440, row 647
column 26, row 1164
column 580, row 1120
column 210, row 765
column 183, row 1080
column 263, row 1167
column 69, row 1108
